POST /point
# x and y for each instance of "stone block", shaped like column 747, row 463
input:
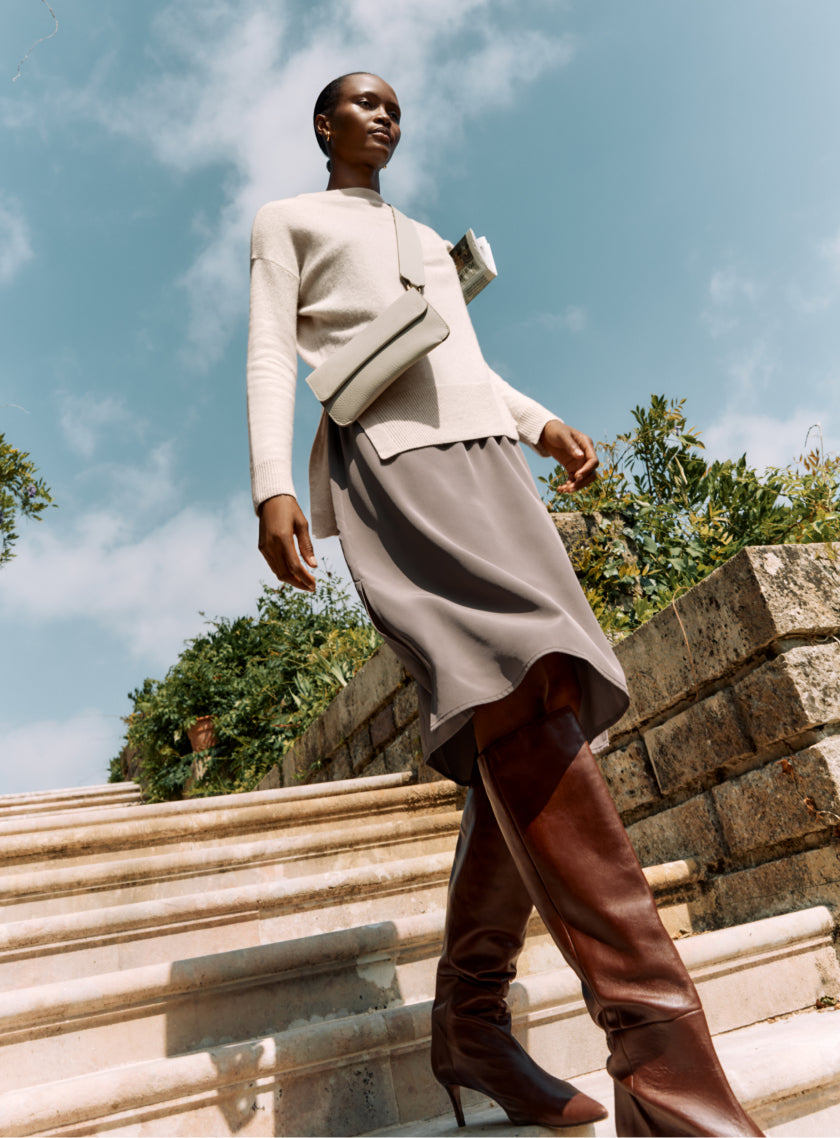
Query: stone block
column 374, row 684
column 340, row 765
column 377, row 766
column 689, row 830
column 382, row 728
column 763, row 594
column 794, row 882
column 629, row 777
column 289, row 770
column 783, row 800
column 797, row 691
column 405, row 752
column 700, row 739
column 360, row 748
column 272, row 779
column 405, row 704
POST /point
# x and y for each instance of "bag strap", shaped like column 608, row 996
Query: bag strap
column 409, row 253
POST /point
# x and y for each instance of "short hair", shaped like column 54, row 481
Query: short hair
column 327, row 101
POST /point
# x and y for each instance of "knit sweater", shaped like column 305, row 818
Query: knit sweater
column 323, row 265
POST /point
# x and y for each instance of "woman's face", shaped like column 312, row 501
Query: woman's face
column 364, row 128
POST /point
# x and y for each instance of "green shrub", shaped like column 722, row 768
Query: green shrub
column 22, row 493
column 262, row 679
column 666, row 518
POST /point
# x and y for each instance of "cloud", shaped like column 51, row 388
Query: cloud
column 85, row 418
column 729, row 293
column 752, row 367
column 146, row 590
column 15, row 246
column 52, row 754
column 767, row 440
column 808, row 303
column 234, row 88
column 573, row 318
column 830, row 250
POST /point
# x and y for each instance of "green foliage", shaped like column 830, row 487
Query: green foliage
column 22, row 493
column 263, row 680
column 664, row 518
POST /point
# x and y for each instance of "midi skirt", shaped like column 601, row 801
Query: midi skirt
column 462, row 571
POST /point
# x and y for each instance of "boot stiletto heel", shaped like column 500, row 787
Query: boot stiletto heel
column 454, row 1092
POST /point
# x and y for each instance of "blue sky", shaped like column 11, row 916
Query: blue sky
column 659, row 182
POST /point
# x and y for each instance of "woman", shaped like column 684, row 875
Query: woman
column 461, row 569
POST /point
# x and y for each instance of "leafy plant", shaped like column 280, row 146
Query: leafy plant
column 22, row 493
column 663, row 518
column 263, row 680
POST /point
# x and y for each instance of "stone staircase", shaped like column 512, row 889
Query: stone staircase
column 262, row 964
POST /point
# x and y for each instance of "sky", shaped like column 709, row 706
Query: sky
column 659, row 182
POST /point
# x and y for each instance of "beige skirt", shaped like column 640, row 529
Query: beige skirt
column 463, row 573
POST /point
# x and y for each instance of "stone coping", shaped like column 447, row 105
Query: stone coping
column 60, row 881
column 213, row 803
column 137, row 830
column 104, row 790
column 284, row 895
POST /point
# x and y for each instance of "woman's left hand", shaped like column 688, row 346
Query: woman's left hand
column 575, row 452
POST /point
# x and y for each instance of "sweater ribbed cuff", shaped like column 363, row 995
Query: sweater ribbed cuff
column 531, row 422
column 268, row 479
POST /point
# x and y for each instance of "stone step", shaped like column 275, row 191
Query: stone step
column 357, row 1073
column 151, row 932
column 173, row 1008
column 150, row 830
column 55, row 889
column 786, row 1073
column 62, row 801
column 212, row 803
column 263, row 987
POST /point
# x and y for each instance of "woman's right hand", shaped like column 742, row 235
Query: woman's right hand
column 283, row 531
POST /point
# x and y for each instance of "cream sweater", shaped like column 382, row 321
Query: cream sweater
column 324, row 265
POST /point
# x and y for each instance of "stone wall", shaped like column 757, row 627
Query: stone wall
column 369, row 728
column 729, row 754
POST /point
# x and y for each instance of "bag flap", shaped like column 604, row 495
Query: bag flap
column 328, row 377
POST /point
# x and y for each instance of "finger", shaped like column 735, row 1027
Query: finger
column 305, row 542
column 582, row 476
column 274, row 552
column 300, row 576
column 585, row 447
column 586, row 471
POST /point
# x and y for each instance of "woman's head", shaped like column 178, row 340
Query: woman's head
column 357, row 120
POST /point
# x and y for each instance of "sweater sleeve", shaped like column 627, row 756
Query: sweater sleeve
column 530, row 416
column 271, row 377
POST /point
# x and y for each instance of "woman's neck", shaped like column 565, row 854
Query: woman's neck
column 344, row 176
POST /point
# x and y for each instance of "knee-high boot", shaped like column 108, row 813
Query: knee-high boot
column 573, row 853
column 472, row 1046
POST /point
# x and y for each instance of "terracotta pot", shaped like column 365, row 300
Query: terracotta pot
column 202, row 734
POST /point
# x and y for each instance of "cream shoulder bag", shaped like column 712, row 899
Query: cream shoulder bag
column 357, row 374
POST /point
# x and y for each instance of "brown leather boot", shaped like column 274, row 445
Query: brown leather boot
column 472, row 1045
column 572, row 850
